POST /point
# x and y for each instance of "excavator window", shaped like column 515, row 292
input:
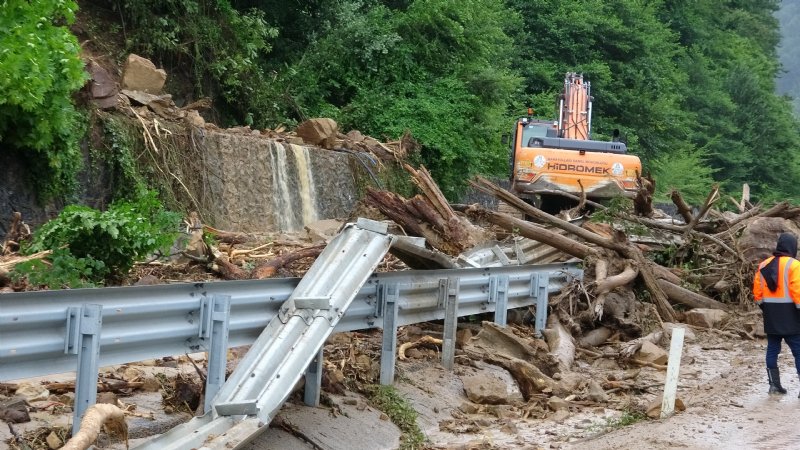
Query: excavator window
column 532, row 133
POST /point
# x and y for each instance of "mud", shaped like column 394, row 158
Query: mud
column 722, row 383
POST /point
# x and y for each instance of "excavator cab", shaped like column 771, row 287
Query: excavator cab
column 552, row 156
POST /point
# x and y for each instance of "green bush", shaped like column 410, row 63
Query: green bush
column 102, row 245
column 40, row 70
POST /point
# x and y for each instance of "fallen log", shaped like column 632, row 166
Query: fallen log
column 560, row 342
column 530, row 379
column 712, row 197
column 683, row 208
column 531, row 231
column 424, row 340
column 406, row 214
column 269, row 268
column 98, row 416
column 681, row 295
column 646, row 270
column 18, row 231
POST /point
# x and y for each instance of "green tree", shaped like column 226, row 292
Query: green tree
column 438, row 68
column 39, row 71
column 218, row 47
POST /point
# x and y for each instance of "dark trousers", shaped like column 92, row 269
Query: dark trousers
column 774, row 349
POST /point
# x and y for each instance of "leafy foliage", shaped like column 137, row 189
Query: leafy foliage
column 686, row 171
column 222, row 47
column 440, row 69
column 102, row 246
column 789, row 51
column 40, row 70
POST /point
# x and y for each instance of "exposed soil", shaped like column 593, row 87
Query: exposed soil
column 721, row 383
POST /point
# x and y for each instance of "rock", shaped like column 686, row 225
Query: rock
column 705, row 317
column 689, row 335
column 106, row 397
column 32, row 392
column 652, row 353
column 571, row 381
column 140, row 74
column 501, row 411
column 103, row 88
column 296, row 140
column 469, row 408
column 560, row 415
column 194, row 119
column 354, row 135
column 485, row 390
column 654, row 408
column 321, row 132
column 53, row 441
column 557, row 403
column 462, row 337
column 595, row 337
column 596, row 392
column 151, row 384
column 14, row 410
column 509, row 428
column 759, row 238
column 414, row 353
column 323, row 230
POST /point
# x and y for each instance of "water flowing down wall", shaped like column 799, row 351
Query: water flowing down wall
column 255, row 184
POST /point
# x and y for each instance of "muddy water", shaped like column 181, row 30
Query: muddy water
column 728, row 410
column 722, row 383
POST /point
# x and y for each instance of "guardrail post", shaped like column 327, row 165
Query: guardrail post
column 451, row 287
column 498, row 294
column 540, row 282
column 88, row 348
column 220, row 308
column 313, row 384
column 387, row 296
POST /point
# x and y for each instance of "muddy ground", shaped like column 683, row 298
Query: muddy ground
column 722, row 384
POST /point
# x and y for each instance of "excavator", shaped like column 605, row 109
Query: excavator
column 548, row 157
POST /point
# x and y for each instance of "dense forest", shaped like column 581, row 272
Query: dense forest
column 690, row 83
column 789, row 51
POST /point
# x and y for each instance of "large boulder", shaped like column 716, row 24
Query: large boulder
column 759, row 238
column 320, row 132
column 652, row 353
column 705, row 317
column 140, row 74
column 485, row 389
column 103, row 88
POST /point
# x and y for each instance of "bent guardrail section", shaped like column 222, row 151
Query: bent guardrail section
column 264, row 378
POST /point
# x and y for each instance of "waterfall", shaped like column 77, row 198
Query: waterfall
column 294, row 199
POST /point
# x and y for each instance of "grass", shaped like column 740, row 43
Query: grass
column 627, row 418
column 401, row 413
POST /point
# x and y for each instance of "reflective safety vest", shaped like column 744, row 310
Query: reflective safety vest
column 782, row 306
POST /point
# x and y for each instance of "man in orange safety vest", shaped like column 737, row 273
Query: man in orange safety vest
column 776, row 290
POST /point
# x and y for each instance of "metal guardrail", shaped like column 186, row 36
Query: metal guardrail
column 37, row 336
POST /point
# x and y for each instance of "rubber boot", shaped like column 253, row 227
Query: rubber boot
column 774, row 376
